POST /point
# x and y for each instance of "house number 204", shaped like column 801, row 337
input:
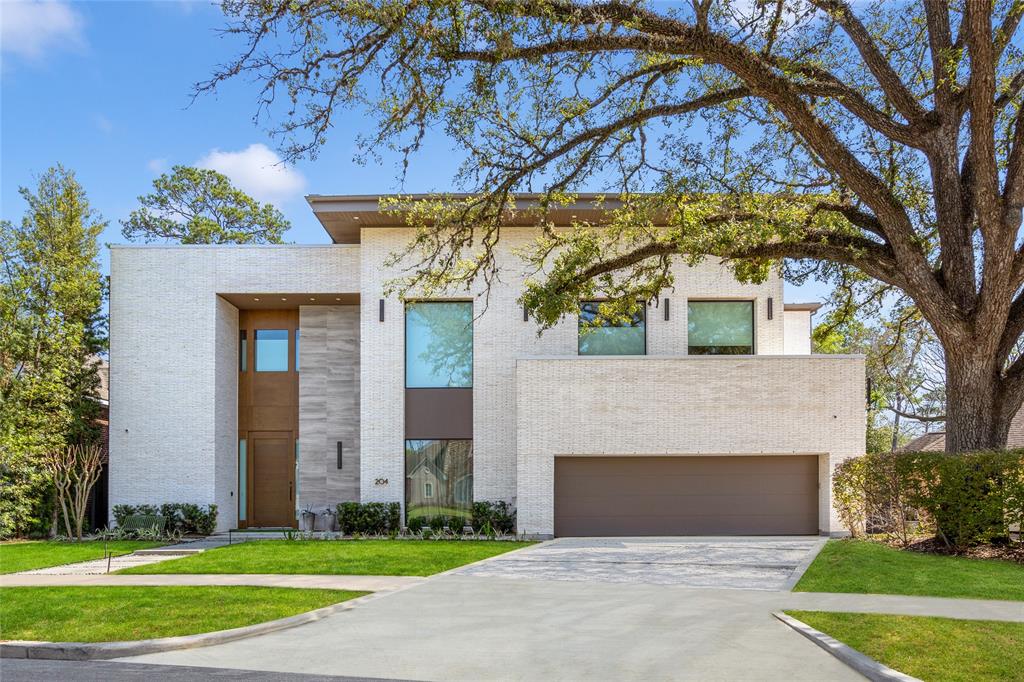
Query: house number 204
column 381, row 481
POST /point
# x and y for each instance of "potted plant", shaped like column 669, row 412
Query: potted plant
column 308, row 521
column 330, row 520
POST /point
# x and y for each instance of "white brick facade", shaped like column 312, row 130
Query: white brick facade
column 174, row 380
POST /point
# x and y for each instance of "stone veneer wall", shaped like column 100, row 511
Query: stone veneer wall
column 328, row 405
column 690, row 405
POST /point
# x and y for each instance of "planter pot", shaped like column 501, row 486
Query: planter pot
column 307, row 522
column 329, row 522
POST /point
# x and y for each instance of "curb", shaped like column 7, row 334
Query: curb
column 804, row 564
column 865, row 665
column 96, row 651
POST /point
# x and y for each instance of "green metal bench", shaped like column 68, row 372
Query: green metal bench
column 138, row 522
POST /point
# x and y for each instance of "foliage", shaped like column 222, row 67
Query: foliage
column 966, row 498
column 106, row 614
column 200, row 206
column 369, row 517
column 183, row 518
column 880, row 141
column 51, row 329
column 75, row 470
column 333, row 557
column 494, row 517
column 860, row 567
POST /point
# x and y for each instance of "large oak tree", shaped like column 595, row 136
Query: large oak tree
column 882, row 141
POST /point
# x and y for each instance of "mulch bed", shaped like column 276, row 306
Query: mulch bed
column 934, row 545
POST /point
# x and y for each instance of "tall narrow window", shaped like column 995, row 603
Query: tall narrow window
column 243, row 351
column 296, row 350
column 439, row 344
column 439, row 478
column 720, row 327
column 243, row 484
column 271, row 350
column 625, row 337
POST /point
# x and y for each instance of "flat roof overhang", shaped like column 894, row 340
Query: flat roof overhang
column 287, row 300
column 343, row 215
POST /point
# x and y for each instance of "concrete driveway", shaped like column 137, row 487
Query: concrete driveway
column 753, row 563
column 567, row 610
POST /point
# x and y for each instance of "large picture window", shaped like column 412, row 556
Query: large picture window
column 626, row 338
column 439, row 344
column 720, row 327
column 438, row 478
column 271, row 350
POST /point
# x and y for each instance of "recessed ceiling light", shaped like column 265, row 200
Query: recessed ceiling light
column 337, row 299
column 355, row 217
column 255, row 298
column 283, row 298
column 311, row 298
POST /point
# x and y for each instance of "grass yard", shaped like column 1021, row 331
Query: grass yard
column 24, row 556
column 108, row 614
column 335, row 557
column 870, row 568
column 932, row 649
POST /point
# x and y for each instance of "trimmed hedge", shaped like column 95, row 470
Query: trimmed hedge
column 369, row 517
column 494, row 517
column 182, row 517
column 965, row 499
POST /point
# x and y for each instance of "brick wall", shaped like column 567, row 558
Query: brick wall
column 696, row 405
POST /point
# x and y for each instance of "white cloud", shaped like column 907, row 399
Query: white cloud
column 258, row 171
column 34, row 29
column 157, row 166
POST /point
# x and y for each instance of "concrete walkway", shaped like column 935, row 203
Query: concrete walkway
column 360, row 583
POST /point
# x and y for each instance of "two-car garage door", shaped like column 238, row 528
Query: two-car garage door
column 717, row 495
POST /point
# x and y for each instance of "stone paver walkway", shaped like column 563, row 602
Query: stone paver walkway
column 361, row 583
column 753, row 563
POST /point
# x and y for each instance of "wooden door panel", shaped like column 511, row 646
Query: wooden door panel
column 273, row 482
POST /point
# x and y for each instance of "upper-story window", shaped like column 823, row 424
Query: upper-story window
column 720, row 327
column 439, row 344
column 628, row 337
column 243, row 351
column 271, row 350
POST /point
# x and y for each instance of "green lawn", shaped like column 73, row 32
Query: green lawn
column 867, row 567
column 107, row 614
column 25, row 556
column 932, row 649
column 335, row 557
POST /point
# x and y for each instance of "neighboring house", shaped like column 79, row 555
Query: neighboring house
column 936, row 440
column 98, row 498
column 267, row 379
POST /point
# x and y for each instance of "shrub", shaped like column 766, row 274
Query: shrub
column 494, row 517
column 183, row 518
column 965, row 499
column 369, row 517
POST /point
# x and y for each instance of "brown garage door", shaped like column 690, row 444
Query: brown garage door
column 686, row 495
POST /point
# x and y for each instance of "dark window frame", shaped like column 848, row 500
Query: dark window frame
column 643, row 308
column 753, row 321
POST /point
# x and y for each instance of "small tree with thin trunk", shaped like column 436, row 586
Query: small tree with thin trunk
column 75, row 470
column 879, row 139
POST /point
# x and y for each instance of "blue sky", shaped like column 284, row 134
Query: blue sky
column 104, row 88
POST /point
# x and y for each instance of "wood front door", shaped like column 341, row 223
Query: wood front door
column 273, row 482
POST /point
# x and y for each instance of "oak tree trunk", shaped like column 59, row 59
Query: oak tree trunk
column 978, row 414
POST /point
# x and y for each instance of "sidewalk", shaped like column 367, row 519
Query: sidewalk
column 361, row 583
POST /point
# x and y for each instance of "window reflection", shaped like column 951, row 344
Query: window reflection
column 720, row 327
column 438, row 478
column 625, row 338
column 439, row 344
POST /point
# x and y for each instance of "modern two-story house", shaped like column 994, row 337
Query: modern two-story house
column 271, row 379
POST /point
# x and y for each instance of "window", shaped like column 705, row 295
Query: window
column 439, row 344
column 243, row 485
column 626, row 338
column 296, row 350
column 439, row 478
column 271, row 350
column 720, row 327
column 243, row 351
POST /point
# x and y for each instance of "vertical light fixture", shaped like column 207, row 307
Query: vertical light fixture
column 381, row 310
column 526, row 314
column 770, row 311
column 666, row 310
column 341, row 449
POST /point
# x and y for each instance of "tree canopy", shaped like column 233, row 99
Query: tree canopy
column 51, row 327
column 877, row 141
column 201, row 206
